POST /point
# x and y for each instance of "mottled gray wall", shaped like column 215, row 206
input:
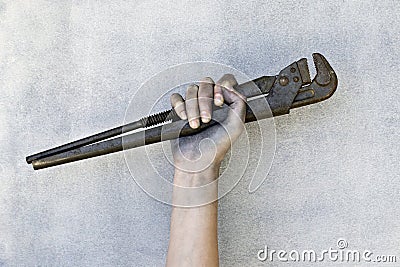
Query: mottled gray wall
column 69, row 68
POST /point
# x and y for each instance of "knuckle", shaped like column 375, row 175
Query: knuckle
column 191, row 103
column 192, row 90
column 207, row 80
column 205, row 98
column 229, row 76
column 228, row 80
column 217, row 88
column 205, row 91
column 176, row 99
column 179, row 106
column 205, row 102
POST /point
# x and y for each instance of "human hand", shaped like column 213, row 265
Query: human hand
column 207, row 148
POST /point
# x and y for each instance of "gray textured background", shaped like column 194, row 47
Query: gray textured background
column 69, row 68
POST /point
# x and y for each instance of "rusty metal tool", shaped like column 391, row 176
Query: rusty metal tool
column 291, row 88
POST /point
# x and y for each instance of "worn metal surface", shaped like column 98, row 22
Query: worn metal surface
column 283, row 92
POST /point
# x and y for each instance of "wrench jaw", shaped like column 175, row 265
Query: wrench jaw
column 322, row 86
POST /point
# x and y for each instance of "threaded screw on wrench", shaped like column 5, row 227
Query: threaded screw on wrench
column 159, row 118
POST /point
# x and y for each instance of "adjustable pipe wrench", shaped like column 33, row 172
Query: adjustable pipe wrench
column 291, row 88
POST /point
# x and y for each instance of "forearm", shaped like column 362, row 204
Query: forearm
column 193, row 234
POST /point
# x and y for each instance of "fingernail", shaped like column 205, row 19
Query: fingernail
column 183, row 115
column 205, row 117
column 194, row 123
column 218, row 100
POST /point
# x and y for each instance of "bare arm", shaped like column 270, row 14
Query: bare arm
column 193, row 236
column 193, row 240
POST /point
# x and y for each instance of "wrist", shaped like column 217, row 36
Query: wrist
column 198, row 178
